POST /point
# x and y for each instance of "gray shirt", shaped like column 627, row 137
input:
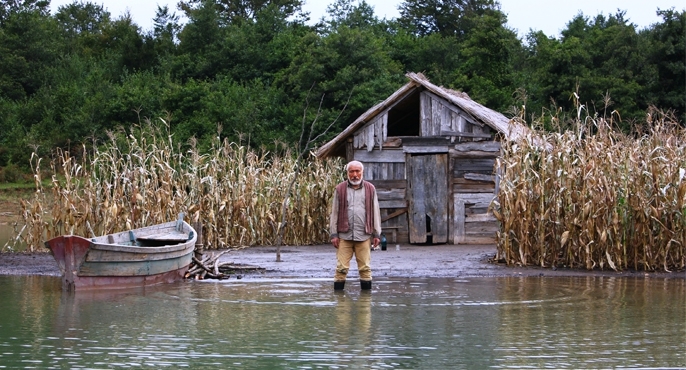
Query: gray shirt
column 357, row 216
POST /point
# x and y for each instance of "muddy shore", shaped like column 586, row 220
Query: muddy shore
column 318, row 261
column 410, row 261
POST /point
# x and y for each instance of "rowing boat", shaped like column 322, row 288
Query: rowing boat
column 145, row 256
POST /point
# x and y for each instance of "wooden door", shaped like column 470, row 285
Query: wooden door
column 428, row 197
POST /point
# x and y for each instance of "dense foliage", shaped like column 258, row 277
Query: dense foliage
column 260, row 68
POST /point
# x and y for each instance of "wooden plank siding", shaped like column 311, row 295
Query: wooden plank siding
column 392, row 201
column 445, row 175
column 386, row 164
column 372, row 134
column 440, row 117
column 426, row 149
column 464, row 166
column 425, row 118
column 384, row 171
column 378, row 156
column 472, row 223
column 472, row 189
column 389, row 184
column 471, row 186
column 492, row 147
column 396, row 228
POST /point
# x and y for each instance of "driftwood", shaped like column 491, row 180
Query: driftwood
column 208, row 266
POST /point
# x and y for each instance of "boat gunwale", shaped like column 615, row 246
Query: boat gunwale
column 190, row 244
column 101, row 243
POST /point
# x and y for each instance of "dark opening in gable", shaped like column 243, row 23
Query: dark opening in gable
column 403, row 118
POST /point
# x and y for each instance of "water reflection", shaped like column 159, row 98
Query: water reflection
column 301, row 323
column 352, row 336
column 613, row 321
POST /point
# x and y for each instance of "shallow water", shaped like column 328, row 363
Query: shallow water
column 6, row 233
column 7, row 236
column 528, row 322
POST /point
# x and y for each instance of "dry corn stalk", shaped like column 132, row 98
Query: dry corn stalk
column 144, row 178
column 595, row 198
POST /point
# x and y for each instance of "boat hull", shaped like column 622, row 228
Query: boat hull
column 147, row 256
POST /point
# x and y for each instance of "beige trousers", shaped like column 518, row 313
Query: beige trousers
column 344, row 253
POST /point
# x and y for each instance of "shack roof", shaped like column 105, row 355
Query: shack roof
column 496, row 120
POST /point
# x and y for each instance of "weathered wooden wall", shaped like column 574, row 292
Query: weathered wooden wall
column 473, row 188
column 439, row 117
column 447, row 131
column 385, row 169
column 373, row 134
column 472, row 223
column 392, row 194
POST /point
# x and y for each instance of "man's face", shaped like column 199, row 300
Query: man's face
column 355, row 174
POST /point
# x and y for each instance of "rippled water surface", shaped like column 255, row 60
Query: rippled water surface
column 589, row 322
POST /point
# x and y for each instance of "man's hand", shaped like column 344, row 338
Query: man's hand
column 335, row 241
column 376, row 241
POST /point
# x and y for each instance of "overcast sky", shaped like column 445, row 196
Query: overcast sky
column 549, row 16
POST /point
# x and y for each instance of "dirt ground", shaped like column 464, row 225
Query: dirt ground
column 319, row 261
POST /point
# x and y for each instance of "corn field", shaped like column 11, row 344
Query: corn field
column 144, row 178
column 594, row 198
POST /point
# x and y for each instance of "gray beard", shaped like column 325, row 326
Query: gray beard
column 355, row 183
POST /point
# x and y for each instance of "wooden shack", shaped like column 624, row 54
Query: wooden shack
column 430, row 152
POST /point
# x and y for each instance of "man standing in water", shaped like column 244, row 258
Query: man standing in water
column 355, row 220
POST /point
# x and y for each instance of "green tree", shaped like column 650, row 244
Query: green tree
column 28, row 45
column 486, row 56
column 346, row 56
column 239, row 11
column 434, row 55
column 447, row 17
column 165, row 33
column 90, row 32
column 127, row 47
column 346, row 13
column 82, row 26
column 10, row 7
column 601, row 58
column 200, row 43
column 667, row 54
column 263, row 48
column 461, row 44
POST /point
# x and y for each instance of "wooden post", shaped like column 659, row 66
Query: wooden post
column 349, row 150
column 458, row 220
column 199, row 247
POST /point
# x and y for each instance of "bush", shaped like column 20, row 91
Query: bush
column 10, row 173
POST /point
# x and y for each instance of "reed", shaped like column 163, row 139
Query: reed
column 144, row 177
column 595, row 198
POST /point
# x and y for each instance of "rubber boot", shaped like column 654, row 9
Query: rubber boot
column 338, row 285
column 366, row 284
